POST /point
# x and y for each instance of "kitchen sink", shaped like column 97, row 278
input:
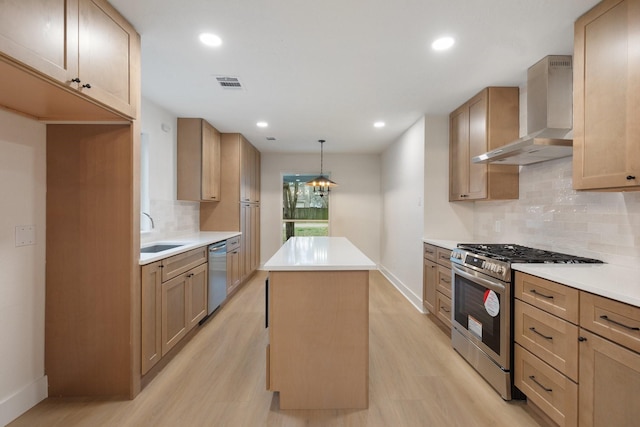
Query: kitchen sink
column 157, row 248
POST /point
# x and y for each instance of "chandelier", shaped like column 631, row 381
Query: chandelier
column 321, row 184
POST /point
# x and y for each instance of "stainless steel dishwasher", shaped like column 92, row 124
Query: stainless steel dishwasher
column 217, row 276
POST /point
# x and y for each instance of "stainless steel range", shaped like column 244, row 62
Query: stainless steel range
column 482, row 301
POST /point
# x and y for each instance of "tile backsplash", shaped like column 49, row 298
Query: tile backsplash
column 551, row 215
column 172, row 219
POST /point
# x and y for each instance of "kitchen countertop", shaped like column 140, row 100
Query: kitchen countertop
column 191, row 241
column 319, row 253
column 447, row 244
column 611, row 281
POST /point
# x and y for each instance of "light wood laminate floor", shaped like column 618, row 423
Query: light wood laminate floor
column 218, row 379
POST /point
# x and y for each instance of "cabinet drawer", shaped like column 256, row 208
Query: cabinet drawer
column 430, row 252
column 178, row 264
column 233, row 244
column 443, row 256
column 443, row 280
column 549, row 296
column 555, row 394
column 611, row 319
column 552, row 339
column 443, row 308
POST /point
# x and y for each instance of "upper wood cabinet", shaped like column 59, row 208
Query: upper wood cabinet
column 250, row 173
column 606, row 140
column 487, row 121
column 198, row 161
column 240, row 180
column 85, row 45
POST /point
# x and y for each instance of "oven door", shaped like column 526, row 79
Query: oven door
column 481, row 311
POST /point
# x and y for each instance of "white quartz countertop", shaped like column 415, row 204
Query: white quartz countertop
column 188, row 242
column 319, row 253
column 611, row 281
column 447, row 244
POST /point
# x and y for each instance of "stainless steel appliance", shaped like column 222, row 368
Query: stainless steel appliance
column 549, row 116
column 217, row 276
column 481, row 306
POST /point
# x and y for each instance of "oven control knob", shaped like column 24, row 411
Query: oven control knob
column 500, row 270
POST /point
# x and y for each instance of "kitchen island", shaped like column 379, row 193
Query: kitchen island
column 318, row 318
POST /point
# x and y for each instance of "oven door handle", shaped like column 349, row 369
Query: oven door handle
column 489, row 284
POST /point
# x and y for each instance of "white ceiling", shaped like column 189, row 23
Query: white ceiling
column 328, row 69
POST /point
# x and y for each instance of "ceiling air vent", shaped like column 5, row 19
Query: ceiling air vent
column 271, row 138
column 232, row 83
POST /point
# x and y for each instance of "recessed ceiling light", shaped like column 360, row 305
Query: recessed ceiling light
column 379, row 124
column 210, row 39
column 443, row 43
column 262, row 124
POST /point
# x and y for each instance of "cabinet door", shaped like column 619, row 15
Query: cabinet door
column 476, row 184
column 609, row 383
column 606, row 144
column 458, row 153
column 151, row 314
column 255, row 237
column 174, row 313
column 233, row 270
column 108, row 46
column 196, row 295
column 42, row 35
column 429, row 281
column 245, row 244
column 256, row 175
column 246, row 166
column 210, row 163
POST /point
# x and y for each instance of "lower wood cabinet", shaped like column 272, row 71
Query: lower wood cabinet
column 436, row 283
column 174, row 300
column 577, row 355
column 609, row 383
column 234, row 276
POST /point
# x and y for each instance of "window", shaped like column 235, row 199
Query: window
column 303, row 212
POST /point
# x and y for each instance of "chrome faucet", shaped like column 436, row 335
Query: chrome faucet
column 151, row 219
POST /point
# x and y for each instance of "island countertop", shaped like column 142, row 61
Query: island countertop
column 319, row 253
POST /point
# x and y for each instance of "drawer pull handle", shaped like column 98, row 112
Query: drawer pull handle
column 533, row 291
column 631, row 177
column 532, row 329
column 446, row 280
column 445, row 310
column 631, row 328
column 533, row 378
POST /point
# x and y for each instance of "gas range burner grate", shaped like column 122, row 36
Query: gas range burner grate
column 522, row 254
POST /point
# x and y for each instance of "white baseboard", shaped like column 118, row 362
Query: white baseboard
column 415, row 300
column 23, row 400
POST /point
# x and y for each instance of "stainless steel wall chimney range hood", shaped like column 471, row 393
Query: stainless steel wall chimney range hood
column 549, row 116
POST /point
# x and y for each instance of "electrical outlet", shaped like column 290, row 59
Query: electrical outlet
column 25, row 235
column 497, row 227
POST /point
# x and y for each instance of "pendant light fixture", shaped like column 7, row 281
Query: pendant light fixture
column 321, row 184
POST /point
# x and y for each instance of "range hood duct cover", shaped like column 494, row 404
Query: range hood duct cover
column 549, row 116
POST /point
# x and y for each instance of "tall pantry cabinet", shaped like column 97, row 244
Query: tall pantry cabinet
column 89, row 98
column 239, row 205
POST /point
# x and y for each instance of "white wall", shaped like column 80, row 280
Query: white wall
column 171, row 217
column 354, row 208
column 403, row 212
column 22, row 269
column 442, row 219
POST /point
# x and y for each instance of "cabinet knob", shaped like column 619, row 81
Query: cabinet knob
column 581, row 339
column 631, row 177
column 75, row 80
column 87, row 86
column 464, row 195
